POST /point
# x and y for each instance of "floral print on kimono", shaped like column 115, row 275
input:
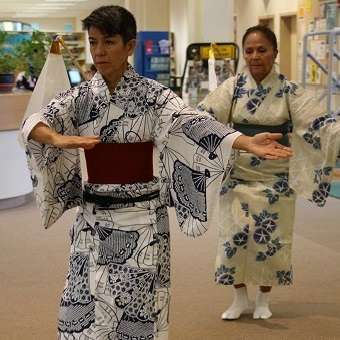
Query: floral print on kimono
column 258, row 199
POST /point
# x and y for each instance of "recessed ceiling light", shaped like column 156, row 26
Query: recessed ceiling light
column 39, row 10
column 74, row 1
column 29, row 15
column 43, row 5
column 49, row 9
column 58, row 3
column 62, row 3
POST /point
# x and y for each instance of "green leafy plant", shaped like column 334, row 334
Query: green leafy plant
column 31, row 54
column 8, row 62
column 3, row 37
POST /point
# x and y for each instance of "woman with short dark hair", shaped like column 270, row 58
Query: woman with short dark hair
column 119, row 274
column 256, row 231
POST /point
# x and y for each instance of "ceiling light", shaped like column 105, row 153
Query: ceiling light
column 47, row 8
column 38, row 7
column 71, row 1
column 29, row 15
column 38, row 10
column 51, row 4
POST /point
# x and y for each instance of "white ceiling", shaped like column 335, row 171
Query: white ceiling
column 50, row 8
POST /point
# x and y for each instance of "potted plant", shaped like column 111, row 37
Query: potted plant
column 8, row 66
column 32, row 53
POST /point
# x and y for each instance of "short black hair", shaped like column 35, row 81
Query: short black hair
column 112, row 20
column 266, row 31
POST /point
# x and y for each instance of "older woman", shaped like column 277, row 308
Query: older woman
column 119, row 274
column 255, row 236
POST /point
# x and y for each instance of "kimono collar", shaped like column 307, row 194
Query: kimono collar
column 267, row 81
column 98, row 83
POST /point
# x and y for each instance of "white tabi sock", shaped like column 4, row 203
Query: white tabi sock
column 240, row 304
column 262, row 310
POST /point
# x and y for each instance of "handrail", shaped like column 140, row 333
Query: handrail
column 333, row 83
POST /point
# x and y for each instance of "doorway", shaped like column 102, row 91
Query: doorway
column 267, row 21
column 288, row 46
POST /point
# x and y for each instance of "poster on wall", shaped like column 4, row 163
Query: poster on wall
column 308, row 6
column 331, row 15
column 301, row 12
column 320, row 25
column 311, row 26
column 319, row 49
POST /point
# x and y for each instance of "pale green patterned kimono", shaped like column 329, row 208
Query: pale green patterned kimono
column 258, row 200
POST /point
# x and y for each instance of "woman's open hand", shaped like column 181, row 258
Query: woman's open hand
column 44, row 134
column 264, row 145
column 73, row 142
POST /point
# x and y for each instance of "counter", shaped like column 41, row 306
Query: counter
column 12, row 108
column 15, row 182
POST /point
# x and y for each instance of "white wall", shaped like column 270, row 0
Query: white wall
column 217, row 19
column 179, row 24
column 14, row 176
column 150, row 15
column 248, row 12
column 78, row 20
column 194, row 21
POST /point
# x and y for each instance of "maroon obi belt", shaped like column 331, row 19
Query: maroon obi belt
column 120, row 163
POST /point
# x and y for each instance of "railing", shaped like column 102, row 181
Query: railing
column 333, row 81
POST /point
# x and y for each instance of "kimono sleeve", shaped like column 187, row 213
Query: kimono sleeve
column 195, row 152
column 315, row 143
column 55, row 172
column 218, row 103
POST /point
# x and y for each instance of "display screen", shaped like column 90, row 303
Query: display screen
column 75, row 77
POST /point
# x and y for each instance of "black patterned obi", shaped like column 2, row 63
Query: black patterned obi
column 117, row 196
column 116, row 163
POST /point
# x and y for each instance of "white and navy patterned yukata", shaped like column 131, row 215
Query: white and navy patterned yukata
column 118, row 281
column 258, row 199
